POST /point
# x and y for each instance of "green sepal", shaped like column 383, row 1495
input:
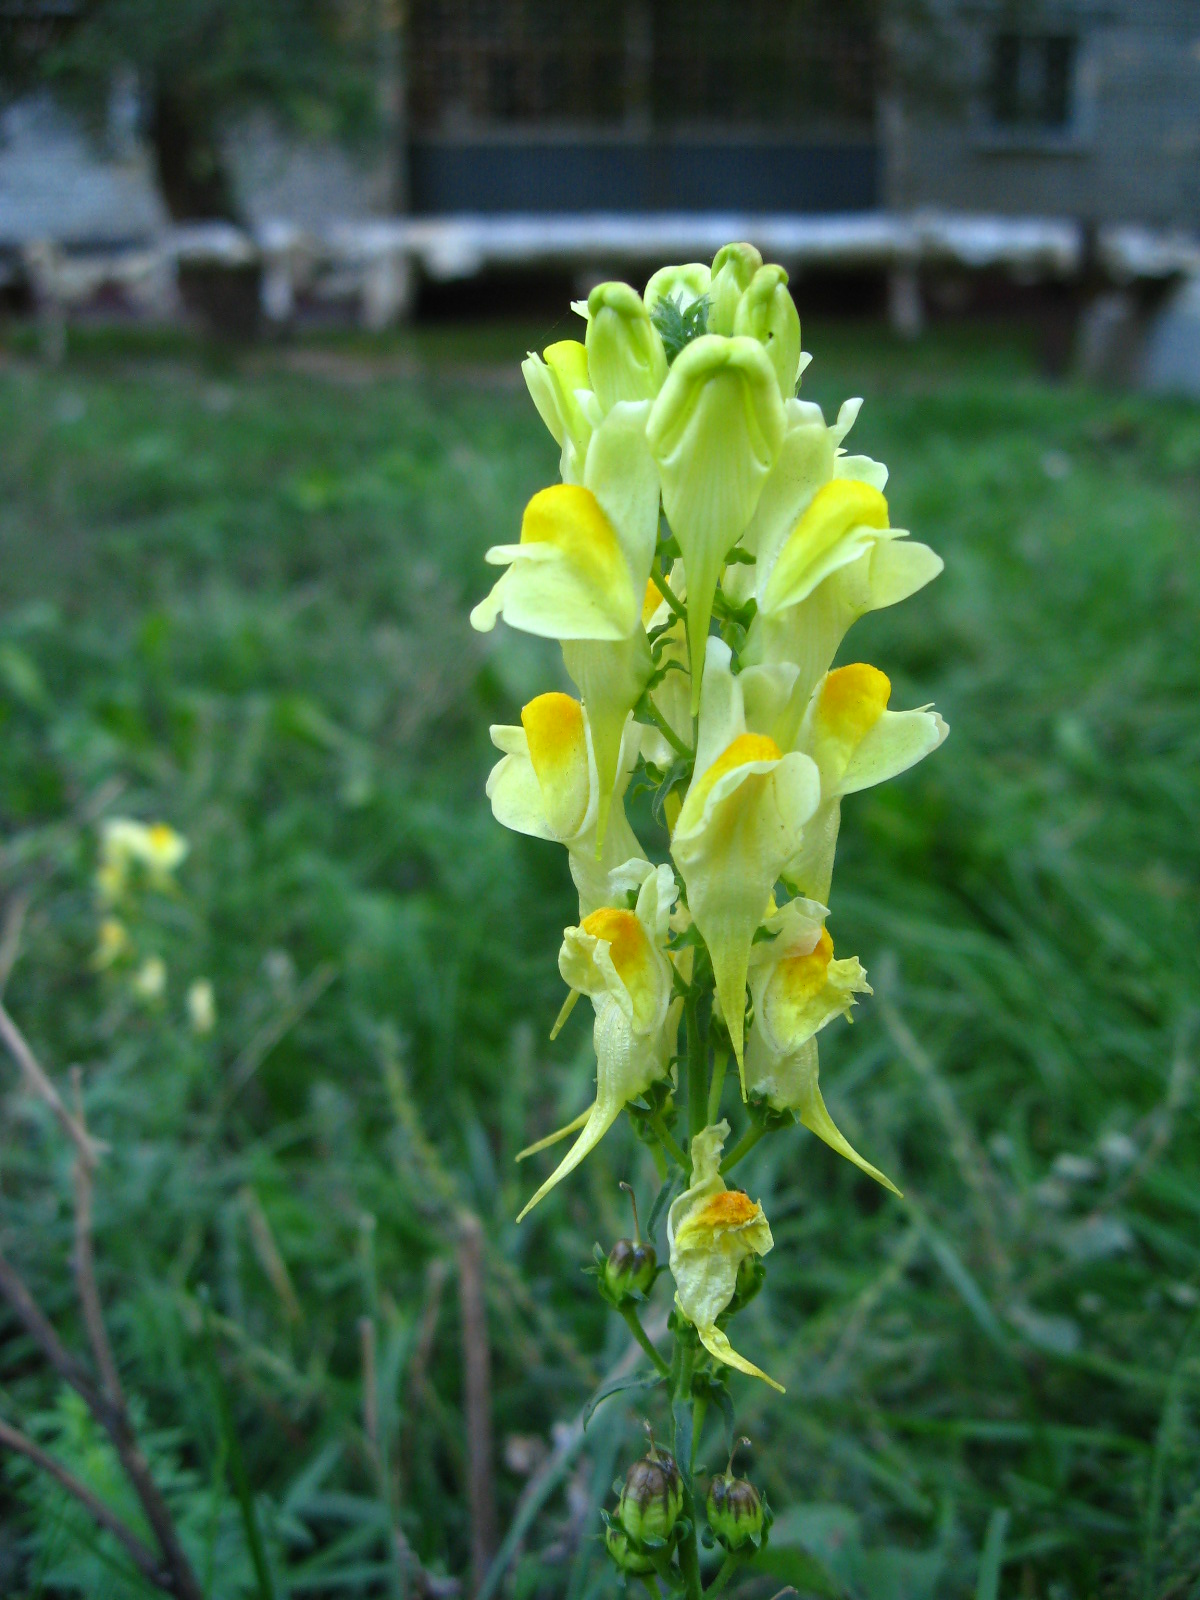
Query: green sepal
column 766, row 1117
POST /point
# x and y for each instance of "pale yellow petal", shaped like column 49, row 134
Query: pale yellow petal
column 767, row 312
column 557, row 743
column 835, row 530
column 625, row 355
column 716, row 1342
column 715, row 431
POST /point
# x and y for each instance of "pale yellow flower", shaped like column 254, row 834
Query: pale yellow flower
column 618, row 959
column 150, row 979
column 579, row 575
column 742, row 820
column 201, row 1006
column 547, row 785
column 715, row 430
column 826, row 556
column 799, row 987
column 856, row 742
column 156, row 847
column 113, row 942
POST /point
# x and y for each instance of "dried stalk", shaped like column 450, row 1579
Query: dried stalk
column 143, row 1558
column 477, row 1387
column 39, row 1084
column 10, row 938
column 108, row 1406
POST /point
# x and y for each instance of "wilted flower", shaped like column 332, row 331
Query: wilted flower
column 712, row 1229
column 798, row 988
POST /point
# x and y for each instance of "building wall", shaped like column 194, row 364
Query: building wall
column 57, row 183
column 1131, row 150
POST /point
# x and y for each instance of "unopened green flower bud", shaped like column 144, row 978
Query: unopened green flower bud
column 626, row 360
column 623, row 1553
column 767, row 312
column 734, row 1511
column 652, row 1498
column 630, row 1268
column 683, row 284
column 752, row 1274
column 734, row 265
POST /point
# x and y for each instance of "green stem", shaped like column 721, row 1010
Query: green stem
column 689, row 1552
column 720, row 1062
column 629, row 1313
column 728, row 1568
column 697, row 1059
column 668, row 594
column 670, row 1145
column 744, row 1146
column 659, row 1160
column 699, row 1412
column 667, row 731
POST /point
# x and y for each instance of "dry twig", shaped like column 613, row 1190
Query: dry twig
column 107, row 1405
column 477, row 1387
column 143, row 1558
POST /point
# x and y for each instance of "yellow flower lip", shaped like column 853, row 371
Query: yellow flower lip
column 732, row 1208
column 553, row 724
column 625, row 937
column 746, row 748
column 853, row 699
column 798, row 978
column 554, row 729
column 835, row 511
column 569, row 516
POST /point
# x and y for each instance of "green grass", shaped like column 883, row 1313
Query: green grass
column 238, row 587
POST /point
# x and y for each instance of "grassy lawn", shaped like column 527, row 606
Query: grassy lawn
column 233, row 595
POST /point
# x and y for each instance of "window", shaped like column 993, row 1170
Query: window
column 1032, row 82
column 765, row 64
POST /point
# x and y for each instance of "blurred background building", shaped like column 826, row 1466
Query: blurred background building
column 1056, row 140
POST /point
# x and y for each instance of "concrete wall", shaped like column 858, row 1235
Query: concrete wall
column 1132, row 152
column 57, row 183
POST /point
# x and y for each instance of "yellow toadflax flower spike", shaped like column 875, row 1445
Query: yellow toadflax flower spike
column 711, row 1230
column 618, row 958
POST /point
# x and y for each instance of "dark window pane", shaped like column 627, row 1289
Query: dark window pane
column 1030, row 84
column 1056, row 99
column 767, row 64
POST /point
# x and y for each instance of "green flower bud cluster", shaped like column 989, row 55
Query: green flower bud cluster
column 627, row 1273
column 649, row 1520
column 630, row 1269
column 739, row 1518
